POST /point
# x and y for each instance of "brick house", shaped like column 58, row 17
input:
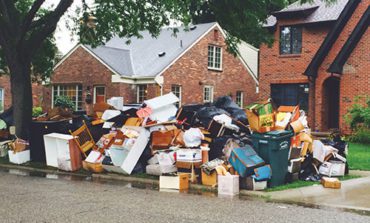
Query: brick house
column 6, row 95
column 320, row 59
column 193, row 64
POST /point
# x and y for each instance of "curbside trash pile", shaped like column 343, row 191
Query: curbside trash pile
column 214, row 144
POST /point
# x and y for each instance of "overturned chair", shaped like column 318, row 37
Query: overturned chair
column 83, row 139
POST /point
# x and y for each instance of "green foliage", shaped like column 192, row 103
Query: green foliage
column 64, row 102
column 358, row 117
column 359, row 156
column 36, row 111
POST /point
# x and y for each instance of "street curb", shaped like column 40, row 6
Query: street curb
column 267, row 196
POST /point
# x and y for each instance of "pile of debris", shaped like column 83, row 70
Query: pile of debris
column 213, row 144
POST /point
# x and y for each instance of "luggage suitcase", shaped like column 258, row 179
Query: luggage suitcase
column 245, row 160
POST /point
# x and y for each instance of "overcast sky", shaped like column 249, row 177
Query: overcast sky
column 64, row 38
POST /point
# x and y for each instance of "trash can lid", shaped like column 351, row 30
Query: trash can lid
column 279, row 133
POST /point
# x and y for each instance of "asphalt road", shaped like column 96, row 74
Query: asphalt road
column 37, row 199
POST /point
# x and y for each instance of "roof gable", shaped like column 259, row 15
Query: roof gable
column 331, row 38
column 351, row 43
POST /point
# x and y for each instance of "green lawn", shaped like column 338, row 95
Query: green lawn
column 359, row 156
column 301, row 183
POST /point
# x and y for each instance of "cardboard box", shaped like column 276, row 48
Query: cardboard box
column 209, row 180
column 93, row 167
column 189, row 155
column 62, row 152
column 228, row 185
column 331, row 183
column 179, row 182
column 332, row 169
column 19, row 157
column 261, row 117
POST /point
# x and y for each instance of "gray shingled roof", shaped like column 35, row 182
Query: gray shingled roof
column 140, row 57
column 324, row 12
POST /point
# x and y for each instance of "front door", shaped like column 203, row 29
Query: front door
column 99, row 94
column 330, row 110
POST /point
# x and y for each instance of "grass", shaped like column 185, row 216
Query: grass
column 301, row 183
column 359, row 156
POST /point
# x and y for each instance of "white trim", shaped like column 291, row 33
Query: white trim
column 52, row 96
column 241, row 98
column 2, row 99
column 214, row 57
column 105, row 93
column 180, row 92
column 212, row 90
column 116, row 78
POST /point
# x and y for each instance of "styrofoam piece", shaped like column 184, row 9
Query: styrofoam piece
column 228, row 185
column 116, row 102
column 19, row 157
column 163, row 107
column 108, row 114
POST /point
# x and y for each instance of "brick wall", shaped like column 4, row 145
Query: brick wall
column 192, row 74
column 82, row 68
column 37, row 90
column 275, row 68
column 5, row 85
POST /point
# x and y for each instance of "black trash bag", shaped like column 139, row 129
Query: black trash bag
column 119, row 120
column 307, row 168
column 216, row 147
column 187, row 115
column 139, row 168
column 227, row 103
column 206, row 114
column 341, row 146
column 7, row 116
column 77, row 121
column 130, row 112
column 145, row 156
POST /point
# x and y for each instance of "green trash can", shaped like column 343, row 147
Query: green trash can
column 273, row 147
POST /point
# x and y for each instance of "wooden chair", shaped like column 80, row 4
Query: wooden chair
column 83, row 139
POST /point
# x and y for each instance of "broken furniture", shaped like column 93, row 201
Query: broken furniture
column 83, row 139
column 62, row 152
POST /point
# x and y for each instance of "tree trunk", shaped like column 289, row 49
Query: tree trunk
column 21, row 87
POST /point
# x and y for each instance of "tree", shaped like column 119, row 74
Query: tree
column 25, row 26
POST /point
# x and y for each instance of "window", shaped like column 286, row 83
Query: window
column 208, row 94
column 99, row 94
column 214, row 57
column 176, row 90
column 239, row 98
column 1, row 99
column 74, row 92
column 290, row 40
column 142, row 93
column 291, row 95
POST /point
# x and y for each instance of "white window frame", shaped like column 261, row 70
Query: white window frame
column 58, row 90
column 138, row 92
column 105, row 92
column 241, row 98
column 211, row 94
column 213, row 67
column 2, row 98
column 180, row 92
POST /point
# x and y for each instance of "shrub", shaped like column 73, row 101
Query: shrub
column 36, row 111
column 64, row 102
column 358, row 117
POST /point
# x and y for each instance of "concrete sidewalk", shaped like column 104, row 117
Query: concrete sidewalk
column 354, row 194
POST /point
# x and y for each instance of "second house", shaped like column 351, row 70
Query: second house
column 194, row 64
